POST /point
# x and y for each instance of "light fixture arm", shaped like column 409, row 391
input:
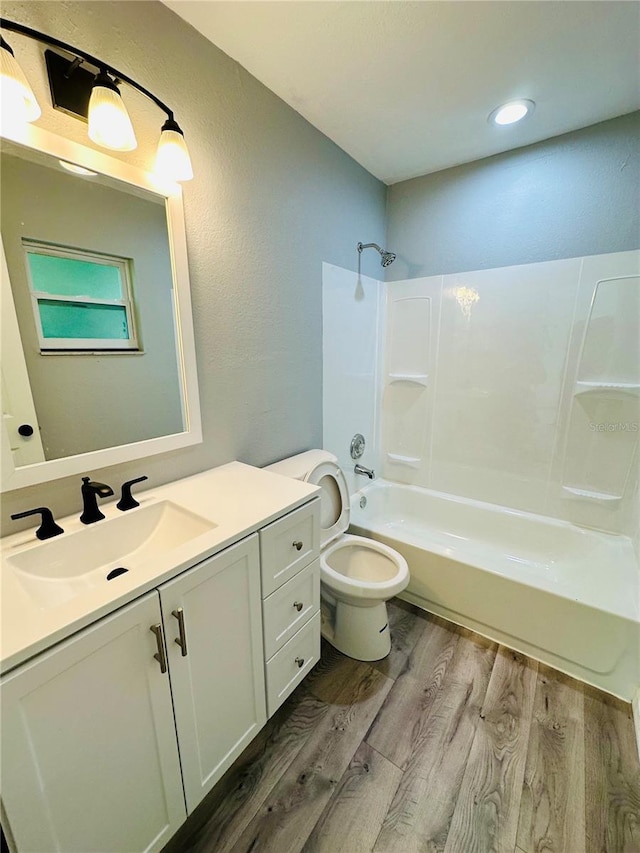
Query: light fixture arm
column 92, row 60
column 6, row 46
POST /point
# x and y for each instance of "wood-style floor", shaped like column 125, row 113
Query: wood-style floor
column 452, row 744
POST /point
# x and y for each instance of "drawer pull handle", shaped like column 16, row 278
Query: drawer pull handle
column 298, row 545
column 182, row 640
column 298, row 605
column 300, row 662
column 160, row 655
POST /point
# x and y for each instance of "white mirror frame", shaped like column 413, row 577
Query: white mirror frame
column 13, row 477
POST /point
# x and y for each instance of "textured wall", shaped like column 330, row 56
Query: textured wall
column 272, row 199
column 573, row 195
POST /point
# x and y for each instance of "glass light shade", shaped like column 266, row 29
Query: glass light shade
column 19, row 104
column 109, row 122
column 172, row 159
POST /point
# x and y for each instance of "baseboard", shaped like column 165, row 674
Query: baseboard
column 635, row 704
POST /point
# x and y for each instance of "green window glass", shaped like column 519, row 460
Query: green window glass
column 74, row 277
column 81, row 320
column 81, row 300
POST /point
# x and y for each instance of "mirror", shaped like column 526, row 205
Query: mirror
column 98, row 360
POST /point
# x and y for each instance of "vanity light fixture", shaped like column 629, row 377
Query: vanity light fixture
column 90, row 95
column 173, row 156
column 109, row 122
column 18, row 101
column 511, row 112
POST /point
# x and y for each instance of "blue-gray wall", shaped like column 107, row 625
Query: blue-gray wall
column 577, row 194
column 272, row 199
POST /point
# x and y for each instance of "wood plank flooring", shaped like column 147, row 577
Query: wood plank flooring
column 451, row 744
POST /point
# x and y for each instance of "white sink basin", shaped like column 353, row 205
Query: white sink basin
column 60, row 569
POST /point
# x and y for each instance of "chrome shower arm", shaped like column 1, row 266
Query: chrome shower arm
column 362, row 246
column 387, row 257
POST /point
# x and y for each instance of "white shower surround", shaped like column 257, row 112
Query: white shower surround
column 562, row 594
column 498, row 367
column 490, row 384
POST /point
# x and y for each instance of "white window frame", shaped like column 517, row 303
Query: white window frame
column 107, row 345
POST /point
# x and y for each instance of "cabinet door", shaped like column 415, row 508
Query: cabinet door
column 89, row 753
column 217, row 674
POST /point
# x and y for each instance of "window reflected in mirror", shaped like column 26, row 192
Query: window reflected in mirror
column 81, row 300
column 90, row 275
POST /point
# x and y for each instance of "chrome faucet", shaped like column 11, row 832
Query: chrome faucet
column 90, row 493
column 368, row 472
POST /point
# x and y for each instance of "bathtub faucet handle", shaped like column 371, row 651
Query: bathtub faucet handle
column 367, row 472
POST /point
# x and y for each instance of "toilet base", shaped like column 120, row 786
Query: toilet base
column 359, row 632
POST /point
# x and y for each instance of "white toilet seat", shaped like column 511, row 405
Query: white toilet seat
column 335, row 503
column 382, row 574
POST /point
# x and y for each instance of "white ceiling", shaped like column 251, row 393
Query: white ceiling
column 406, row 87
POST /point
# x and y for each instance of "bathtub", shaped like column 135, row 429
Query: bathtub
column 565, row 595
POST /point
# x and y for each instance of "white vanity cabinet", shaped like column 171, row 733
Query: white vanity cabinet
column 89, row 745
column 89, row 752
column 213, row 629
column 290, row 567
column 111, row 737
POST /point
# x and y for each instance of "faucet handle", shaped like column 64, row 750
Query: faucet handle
column 127, row 501
column 48, row 528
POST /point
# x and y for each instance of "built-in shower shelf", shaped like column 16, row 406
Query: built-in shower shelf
column 584, row 387
column 414, row 378
column 605, row 497
column 407, row 461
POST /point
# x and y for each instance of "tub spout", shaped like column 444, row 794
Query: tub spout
column 367, row 472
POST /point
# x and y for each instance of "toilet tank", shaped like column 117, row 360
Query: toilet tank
column 300, row 466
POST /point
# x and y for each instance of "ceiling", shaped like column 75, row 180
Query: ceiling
column 406, row 87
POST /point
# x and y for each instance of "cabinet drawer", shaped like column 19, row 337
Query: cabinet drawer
column 288, row 608
column 289, row 544
column 285, row 670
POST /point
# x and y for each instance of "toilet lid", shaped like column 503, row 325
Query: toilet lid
column 334, row 500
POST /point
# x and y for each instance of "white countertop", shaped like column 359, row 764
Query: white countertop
column 237, row 498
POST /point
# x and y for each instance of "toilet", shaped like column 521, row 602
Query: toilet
column 357, row 575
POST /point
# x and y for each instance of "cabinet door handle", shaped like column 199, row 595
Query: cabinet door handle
column 160, row 655
column 300, row 662
column 182, row 640
column 298, row 545
column 298, row 605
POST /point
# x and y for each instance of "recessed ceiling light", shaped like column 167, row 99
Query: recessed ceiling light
column 511, row 112
column 77, row 170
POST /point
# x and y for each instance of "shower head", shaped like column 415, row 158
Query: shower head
column 387, row 258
